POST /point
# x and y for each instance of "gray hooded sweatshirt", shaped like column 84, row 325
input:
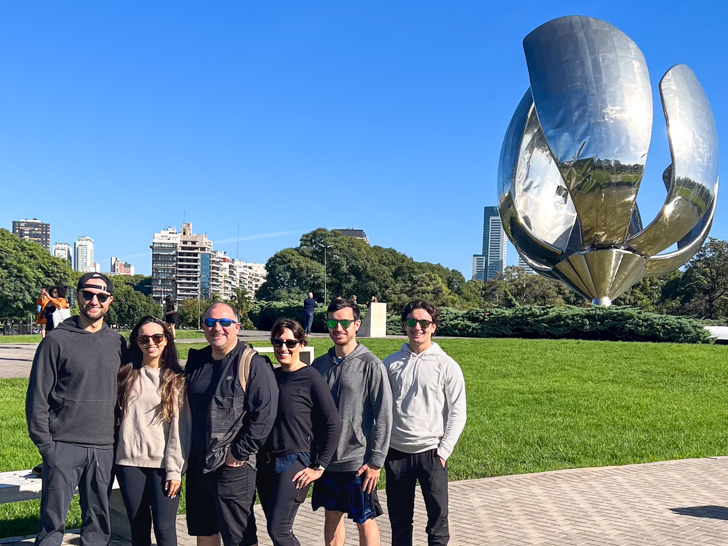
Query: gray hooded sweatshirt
column 361, row 390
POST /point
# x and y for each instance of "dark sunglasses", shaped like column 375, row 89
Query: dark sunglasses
column 156, row 338
column 89, row 296
column 224, row 322
column 278, row 343
column 331, row 323
column 423, row 323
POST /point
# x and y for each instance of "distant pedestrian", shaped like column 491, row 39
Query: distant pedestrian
column 353, row 299
column 309, row 304
column 358, row 382
column 170, row 314
column 429, row 415
column 70, row 410
column 304, row 437
column 154, row 433
column 50, row 300
column 374, row 300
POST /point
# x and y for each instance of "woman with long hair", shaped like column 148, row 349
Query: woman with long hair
column 304, row 436
column 154, row 433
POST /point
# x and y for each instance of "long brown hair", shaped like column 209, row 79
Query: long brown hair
column 171, row 390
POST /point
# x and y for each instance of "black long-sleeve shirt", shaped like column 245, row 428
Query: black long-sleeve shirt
column 308, row 420
column 215, row 395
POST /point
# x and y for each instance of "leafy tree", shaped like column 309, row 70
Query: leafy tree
column 190, row 313
column 129, row 306
column 241, row 303
column 704, row 286
column 25, row 268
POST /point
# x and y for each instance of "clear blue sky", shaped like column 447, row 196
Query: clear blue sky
column 118, row 119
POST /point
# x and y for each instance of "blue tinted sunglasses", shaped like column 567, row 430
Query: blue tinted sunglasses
column 224, row 322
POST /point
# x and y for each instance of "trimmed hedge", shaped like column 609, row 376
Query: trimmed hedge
column 263, row 314
column 592, row 323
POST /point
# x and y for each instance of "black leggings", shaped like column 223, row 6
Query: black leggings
column 145, row 499
column 278, row 498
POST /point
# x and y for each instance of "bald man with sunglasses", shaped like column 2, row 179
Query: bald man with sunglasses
column 229, row 426
column 70, row 410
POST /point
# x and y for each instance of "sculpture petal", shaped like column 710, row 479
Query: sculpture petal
column 592, row 93
column 692, row 179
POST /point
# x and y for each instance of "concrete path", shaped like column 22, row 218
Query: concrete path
column 668, row 503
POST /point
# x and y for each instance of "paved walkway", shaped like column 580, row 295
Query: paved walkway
column 668, row 503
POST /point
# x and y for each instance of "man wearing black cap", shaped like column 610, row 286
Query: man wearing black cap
column 70, row 412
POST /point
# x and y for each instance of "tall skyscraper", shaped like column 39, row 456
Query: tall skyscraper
column 33, row 230
column 165, row 246
column 494, row 243
column 493, row 258
column 83, row 255
column 63, row 251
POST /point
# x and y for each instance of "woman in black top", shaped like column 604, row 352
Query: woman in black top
column 304, row 436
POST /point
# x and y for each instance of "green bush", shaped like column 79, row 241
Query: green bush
column 263, row 314
column 595, row 323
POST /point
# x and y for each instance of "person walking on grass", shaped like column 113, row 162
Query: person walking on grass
column 309, row 305
column 154, row 433
column 304, row 437
column 429, row 414
column 230, row 423
column 358, row 383
column 171, row 315
column 70, row 410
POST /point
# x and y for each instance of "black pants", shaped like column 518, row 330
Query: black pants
column 222, row 502
column 403, row 471
column 307, row 322
column 145, row 500
column 65, row 467
column 278, row 498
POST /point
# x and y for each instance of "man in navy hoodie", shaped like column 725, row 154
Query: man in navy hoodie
column 70, row 412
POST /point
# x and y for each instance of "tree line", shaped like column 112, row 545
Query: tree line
column 353, row 267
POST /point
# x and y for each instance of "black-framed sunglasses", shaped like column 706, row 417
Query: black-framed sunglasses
column 278, row 343
column 89, row 296
column 331, row 323
column 423, row 323
column 156, row 338
column 224, row 322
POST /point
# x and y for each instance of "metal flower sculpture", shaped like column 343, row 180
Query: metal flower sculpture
column 574, row 155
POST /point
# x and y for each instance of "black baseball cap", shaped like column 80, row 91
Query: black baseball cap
column 88, row 276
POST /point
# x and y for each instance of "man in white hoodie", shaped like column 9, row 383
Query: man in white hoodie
column 429, row 413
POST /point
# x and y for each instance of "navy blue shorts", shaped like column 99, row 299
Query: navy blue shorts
column 341, row 492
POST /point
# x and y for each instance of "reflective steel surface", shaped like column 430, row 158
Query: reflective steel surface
column 574, row 154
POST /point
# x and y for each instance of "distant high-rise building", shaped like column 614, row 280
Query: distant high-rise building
column 494, row 243
column 120, row 268
column 165, row 247
column 83, row 254
column 33, row 230
column 188, row 262
column 351, row 232
column 63, row 251
column 250, row 275
column 478, row 267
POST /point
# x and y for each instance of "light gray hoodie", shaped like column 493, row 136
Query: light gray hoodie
column 361, row 391
column 429, row 400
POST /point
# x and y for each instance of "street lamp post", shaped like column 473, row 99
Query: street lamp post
column 325, row 274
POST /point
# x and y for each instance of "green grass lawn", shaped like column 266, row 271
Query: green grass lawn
column 533, row 405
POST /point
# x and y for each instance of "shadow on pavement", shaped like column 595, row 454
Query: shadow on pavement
column 712, row 512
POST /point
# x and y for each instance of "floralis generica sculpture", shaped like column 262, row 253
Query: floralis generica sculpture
column 574, row 154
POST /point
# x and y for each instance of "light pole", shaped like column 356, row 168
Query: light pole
column 325, row 248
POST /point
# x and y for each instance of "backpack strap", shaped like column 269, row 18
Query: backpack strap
column 244, row 366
